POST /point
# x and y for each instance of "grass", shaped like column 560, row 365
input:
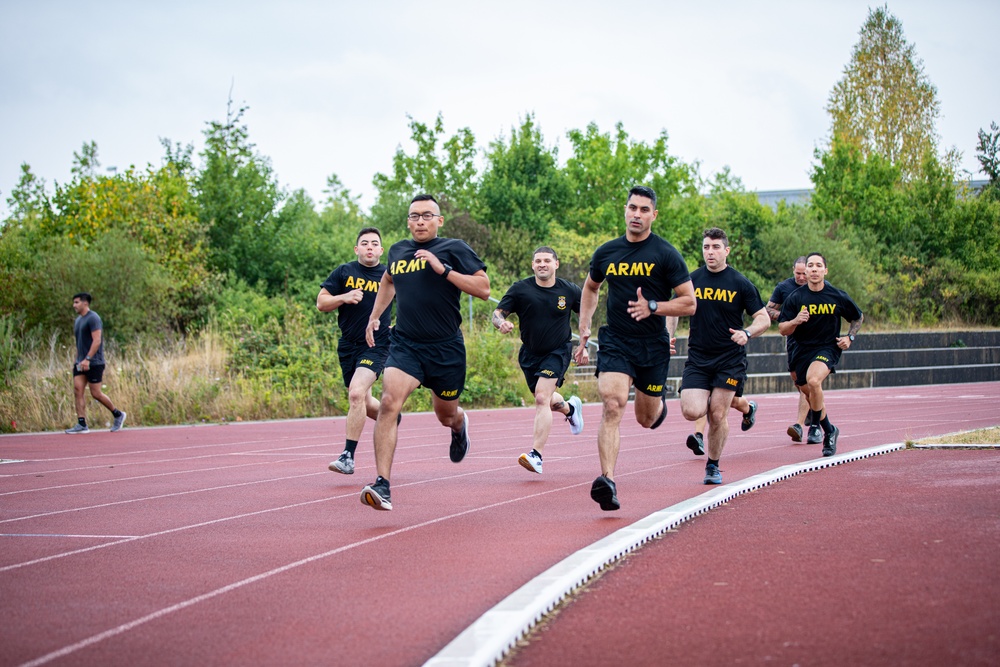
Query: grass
column 985, row 436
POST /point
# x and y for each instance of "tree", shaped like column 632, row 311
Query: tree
column 885, row 104
column 988, row 154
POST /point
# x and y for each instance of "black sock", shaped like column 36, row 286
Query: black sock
column 700, row 434
column 712, row 462
column 815, row 416
column 82, row 421
column 380, row 478
column 537, row 453
column 351, row 446
column 571, row 409
column 827, row 426
column 116, row 413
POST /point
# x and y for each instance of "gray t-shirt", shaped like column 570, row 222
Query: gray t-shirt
column 84, row 329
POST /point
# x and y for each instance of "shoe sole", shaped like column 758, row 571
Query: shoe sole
column 605, row 496
column 695, row 446
column 578, row 410
column 526, row 464
column 750, row 419
column 795, row 435
column 713, row 480
column 457, row 455
column 372, row 499
column 334, row 468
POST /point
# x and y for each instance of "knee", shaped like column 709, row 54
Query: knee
column 357, row 396
column 691, row 412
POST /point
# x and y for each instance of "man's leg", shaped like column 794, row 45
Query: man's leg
column 547, row 400
column 80, row 396
column 647, row 408
column 361, row 403
column 100, row 396
column 613, row 390
column 718, row 411
column 396, row 388
column 694, row 405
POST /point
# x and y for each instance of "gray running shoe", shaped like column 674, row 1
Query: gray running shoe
column 750, row 418
column 576, row 419
column 696, row 443
column 795, row 431
column 460, row 442
column 531, row 461
column 78, row 428
column 830, row 442
column 815, row 435
column 377, row 494
column 119, row 422
column 344, row 464
column 712, row 474
column 604, row 492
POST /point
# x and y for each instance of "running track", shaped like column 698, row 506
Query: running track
column 233, row 543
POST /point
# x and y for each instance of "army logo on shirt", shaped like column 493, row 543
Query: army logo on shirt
column 561, row 303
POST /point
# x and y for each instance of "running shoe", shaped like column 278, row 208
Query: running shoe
column 531, row 461
column 377, row 494
column 750, row 418
column 605, row 493
column 795, row 431
column 460, row 441
column 712, row 474
column 830, row 442
column 119, row 421
column 344, row 464
column 576, row 419
column 78, row 428
column 815, row 435
column 696, row 443
column 663, row 414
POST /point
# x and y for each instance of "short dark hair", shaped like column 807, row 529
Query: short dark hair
column 82, row 296
column 801, row 260
column 425, row 198
column 547, row 249
column 716, row 234
column 643, row 191
column 816, row 254
column 369, row 230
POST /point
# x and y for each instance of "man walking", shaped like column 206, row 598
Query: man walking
column 88, row 369
column 427, row 275
column 350, row 290
column 716, row 368
column 543, row 305
column 641, row 270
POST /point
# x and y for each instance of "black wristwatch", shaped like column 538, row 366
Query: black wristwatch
column 850, row 337
column 652, row 305
column 447, row 270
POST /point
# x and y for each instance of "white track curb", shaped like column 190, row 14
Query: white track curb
column 487, row 641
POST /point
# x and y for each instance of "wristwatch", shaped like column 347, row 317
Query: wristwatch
column 850, row 337
column 652, row 305
column 447, row 270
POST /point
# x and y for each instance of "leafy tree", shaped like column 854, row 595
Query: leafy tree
column 448, row 172
column 988, row 154
column 522, row 186
column 885, row 104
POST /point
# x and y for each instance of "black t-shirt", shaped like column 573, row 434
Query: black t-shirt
column 782, row 290
column 83, row 330
column 353, row 317
column 826, row 308
column 722, row 298
column 652, row 264
column 427, row 305
column 543, row 312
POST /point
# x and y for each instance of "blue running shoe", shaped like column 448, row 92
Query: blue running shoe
column 712, row 474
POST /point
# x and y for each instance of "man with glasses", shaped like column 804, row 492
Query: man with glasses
column 641, row 270
column 427, row 276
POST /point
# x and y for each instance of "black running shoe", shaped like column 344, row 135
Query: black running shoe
column 696, row 443
column 377, row 494
column 605, row 493
column 750, row 418
column 830, row 442
column 663, row 415
column 815, row 435
column 460, row 441
column 795, row 431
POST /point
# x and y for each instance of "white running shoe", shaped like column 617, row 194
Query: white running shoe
column 576, row 419
column 531, row 461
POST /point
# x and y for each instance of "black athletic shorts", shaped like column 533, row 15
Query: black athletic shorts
column 94, row 376
column 355, row 355
column 438, row 365
column 645, row 360
column 551, row 365
column 708, row 374
column 804, row 358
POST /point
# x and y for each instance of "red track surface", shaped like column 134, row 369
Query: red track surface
column 226, row 544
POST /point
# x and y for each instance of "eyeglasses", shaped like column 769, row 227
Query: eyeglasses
column 426, row 215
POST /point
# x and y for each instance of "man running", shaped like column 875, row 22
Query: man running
column 88, row 368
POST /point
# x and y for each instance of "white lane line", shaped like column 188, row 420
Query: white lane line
column 488, row 639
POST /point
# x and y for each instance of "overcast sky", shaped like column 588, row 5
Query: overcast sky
column 329, row 85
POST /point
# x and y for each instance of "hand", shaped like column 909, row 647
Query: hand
column 354, row 296
column 506, row 327
column 436, row 264
column 802, row 317
column 581, row 355
column 85, row 365
column 739, row 336
column 639, row 309
column 673, row 345
column 843, row 342
column 370, row 332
